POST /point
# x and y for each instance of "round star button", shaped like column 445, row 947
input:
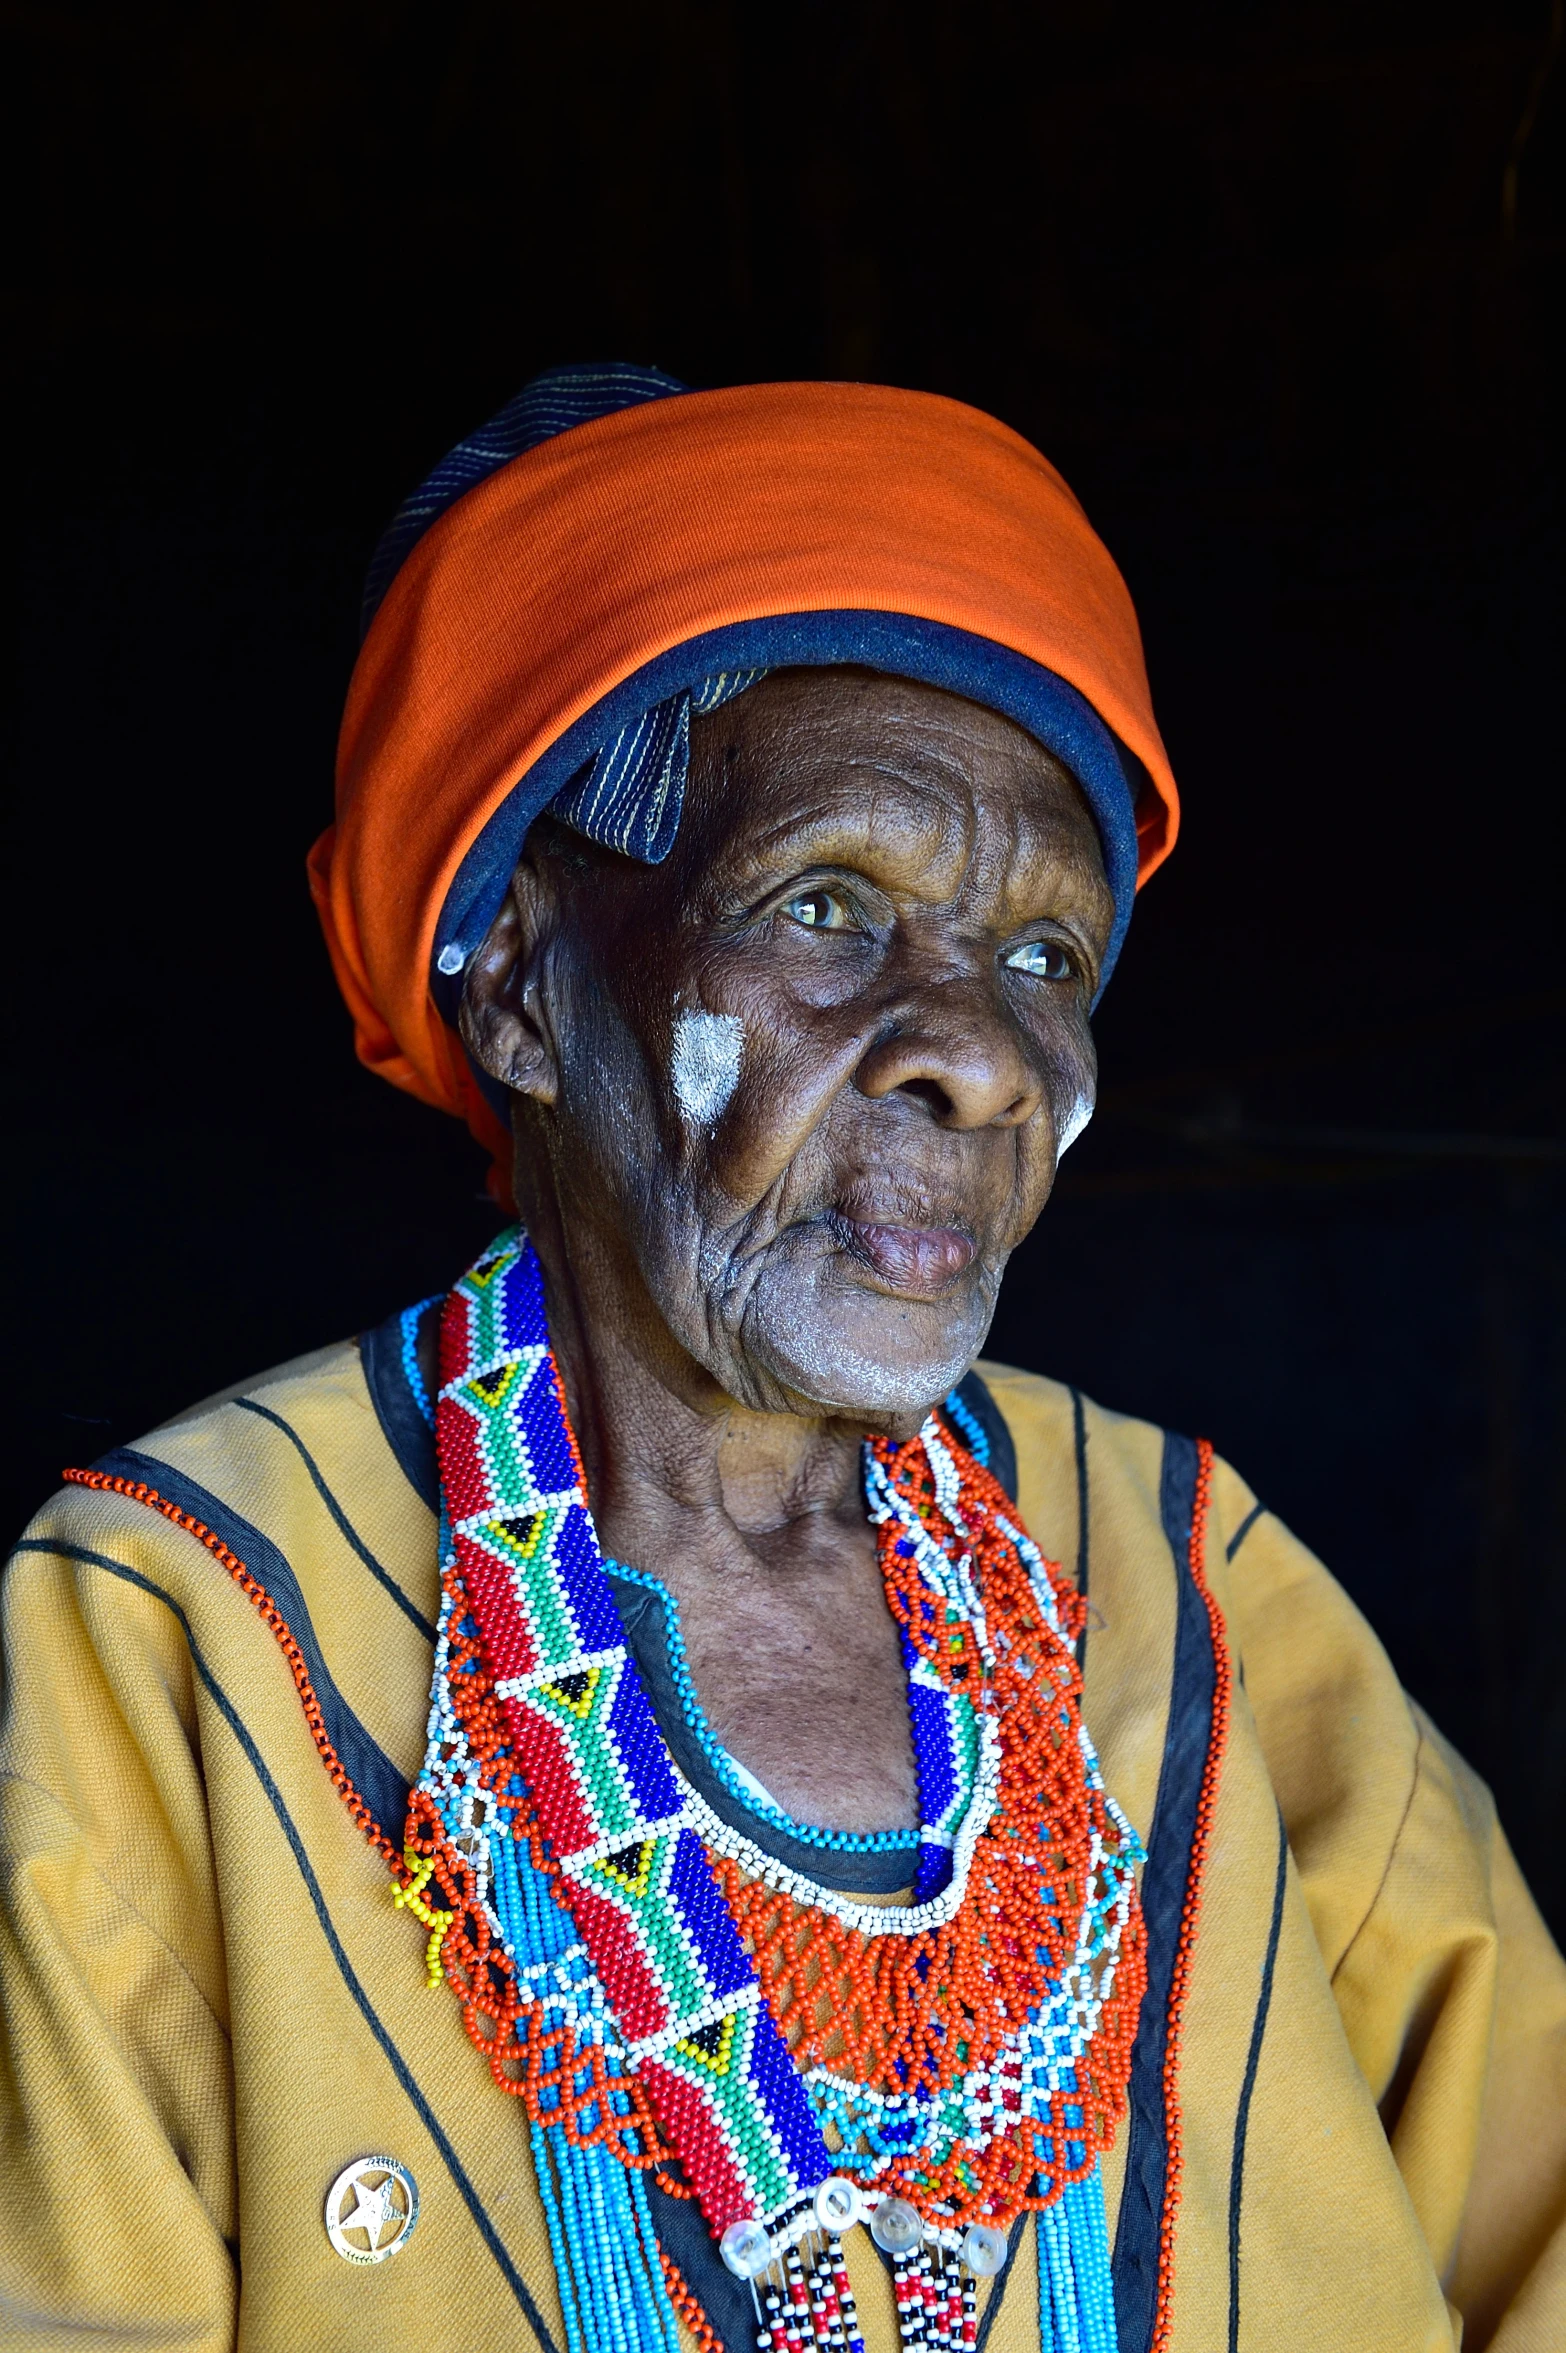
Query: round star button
column 371, row 2209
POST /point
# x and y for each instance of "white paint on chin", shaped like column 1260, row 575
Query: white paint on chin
column 1075, row 1121
column 706, row 1065
column 842, row 1380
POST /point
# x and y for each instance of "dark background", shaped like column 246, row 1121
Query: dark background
column 1280, row 288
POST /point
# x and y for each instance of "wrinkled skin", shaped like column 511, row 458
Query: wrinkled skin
column 768, row 1233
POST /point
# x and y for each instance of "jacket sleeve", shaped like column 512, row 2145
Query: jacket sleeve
column 1455, row 1998
column 117, row 2173
column 1451, row 1991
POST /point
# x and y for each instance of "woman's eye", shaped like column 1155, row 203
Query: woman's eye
column 1045, row 959
column 819, row 911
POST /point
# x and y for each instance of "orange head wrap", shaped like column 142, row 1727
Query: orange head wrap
column 604, row 568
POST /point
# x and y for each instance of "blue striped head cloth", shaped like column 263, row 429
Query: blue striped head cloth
column 630, row 794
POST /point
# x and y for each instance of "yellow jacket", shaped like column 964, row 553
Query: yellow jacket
column 211, row 2006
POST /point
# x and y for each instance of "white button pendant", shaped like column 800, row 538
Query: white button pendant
column 746, row 2249
column 895, row 2227
column 839, row 2206
column 983, row 2250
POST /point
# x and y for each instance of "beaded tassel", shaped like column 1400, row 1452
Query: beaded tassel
column 843, row 2311
column 910, row 2313
column 1076, row 2294
column 969, row 2335
column 772, row 2335
column 804, row 2301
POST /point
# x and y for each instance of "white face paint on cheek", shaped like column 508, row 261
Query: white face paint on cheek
column 706, row 1066
column 1075, row 1121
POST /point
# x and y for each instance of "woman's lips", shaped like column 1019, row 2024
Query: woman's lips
column 918, row 1261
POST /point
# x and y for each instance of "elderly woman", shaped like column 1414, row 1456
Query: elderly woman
column 674, row 1642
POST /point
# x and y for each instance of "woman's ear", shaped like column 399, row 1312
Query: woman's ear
column 502, row 1021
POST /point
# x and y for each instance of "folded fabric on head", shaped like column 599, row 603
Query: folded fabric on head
column 611, row 553
column 629, row 795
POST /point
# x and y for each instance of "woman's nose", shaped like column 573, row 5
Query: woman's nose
column 961, row 1057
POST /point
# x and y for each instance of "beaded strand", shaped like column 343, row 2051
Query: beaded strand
column 874, row 1842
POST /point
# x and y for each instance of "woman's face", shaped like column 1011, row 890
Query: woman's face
column 816, row 1070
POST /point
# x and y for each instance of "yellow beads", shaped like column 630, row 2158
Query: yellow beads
column 411, row 1899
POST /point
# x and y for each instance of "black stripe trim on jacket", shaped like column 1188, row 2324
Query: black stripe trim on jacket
column 344, row 1525
column 684, row 2237
column 973, row 1403
column 366, row 1763
column 403, row 1425
column 978, row 1397
column 1243, row 1530
column 1079, row 1450
column 1243, row 2113
column 345, row 1968
column 1193, row 1686
column 992, row 2310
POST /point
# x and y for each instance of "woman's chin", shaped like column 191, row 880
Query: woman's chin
column 837, row 1343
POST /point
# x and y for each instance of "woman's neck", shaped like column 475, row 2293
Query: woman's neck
column 756, row 1522
column 674, row 1464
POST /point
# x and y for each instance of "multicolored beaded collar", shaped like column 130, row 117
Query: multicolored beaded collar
column 662, row 1995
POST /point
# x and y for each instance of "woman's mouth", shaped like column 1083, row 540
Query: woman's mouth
column 919, row 1262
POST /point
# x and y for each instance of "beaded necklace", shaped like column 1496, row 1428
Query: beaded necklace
column 663, row 1995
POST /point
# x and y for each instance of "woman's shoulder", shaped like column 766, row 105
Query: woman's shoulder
column 1077, row 1459
column 283, row 1516
column 1141, row 1517
column 341, row 1432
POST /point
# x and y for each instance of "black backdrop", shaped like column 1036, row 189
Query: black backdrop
column 1280, row 289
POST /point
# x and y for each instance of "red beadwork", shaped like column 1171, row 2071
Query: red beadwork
column 878, row 2009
